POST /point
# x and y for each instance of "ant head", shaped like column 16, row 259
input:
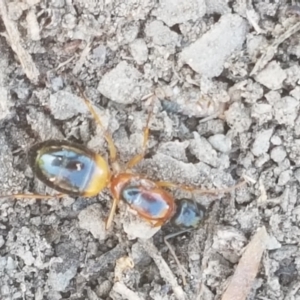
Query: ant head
column 189, row 214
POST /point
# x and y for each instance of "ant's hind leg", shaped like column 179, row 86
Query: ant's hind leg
column 31, row 196
column 137, row 158
column 182, row 270
column 168, row 184
column 112, row 213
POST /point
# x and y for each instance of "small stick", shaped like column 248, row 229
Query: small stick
column 163, row 268
column 25, row 58
column 182, row 270
column 248, row 267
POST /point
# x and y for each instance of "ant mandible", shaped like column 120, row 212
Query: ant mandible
column 75, row 170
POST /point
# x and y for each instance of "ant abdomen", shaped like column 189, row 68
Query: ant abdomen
column 188, row 215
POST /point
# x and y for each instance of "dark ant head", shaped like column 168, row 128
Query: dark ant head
column 189, row 214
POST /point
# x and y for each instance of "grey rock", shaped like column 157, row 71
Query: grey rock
column 276, row 140
column 209, row 53
column 57, row 83
column 139, row 51
column 203, row 150
column 238, row 117
column 272, row 76
column 11, row 264
column 284, row 177
column 286, row 110
column 278, row 154
column 161, row 35
column 139, row 255
column 175, row 149
column 262, row 142
column 174, row 12
column 59, row 277
column 124, row 84
column 99, row 53
column 65, row 105
column 61, row 273
column 92, row 220
column 220, row 142
column 217, row 7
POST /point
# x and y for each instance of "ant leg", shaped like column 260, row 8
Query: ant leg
column 112, row 152
column 137, row 158
column 112, row 213
column 32, row 196
column 107, row 136
column 182, row 270
column 167, row 184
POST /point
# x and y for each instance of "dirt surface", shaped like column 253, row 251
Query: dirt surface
column 226, row 80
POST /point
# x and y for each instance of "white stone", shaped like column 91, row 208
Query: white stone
column 209, row 53
column 91, row 219
column 238, row 117
column 271, row 76
column 284, row 177
column 64, row 105
column 174, row 12
column 123, row 84
column 278, row 154
column 262, row 142
column 286, row 110
column 161, row 35
column 220, row 142
column 139, row 51
column 203, row 150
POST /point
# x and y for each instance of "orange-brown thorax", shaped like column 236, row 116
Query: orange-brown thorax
column 144, row 196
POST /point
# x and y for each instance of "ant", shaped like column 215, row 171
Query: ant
column 75, row 170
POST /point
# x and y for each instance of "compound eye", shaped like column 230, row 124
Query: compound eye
column 189, row 214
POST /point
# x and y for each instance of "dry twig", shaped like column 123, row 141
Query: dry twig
column 25, row 58
column 163, row 268
column 247, row 268
column 271, row 50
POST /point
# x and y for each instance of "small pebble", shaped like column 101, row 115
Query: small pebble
column 139, row 51
column 92, row 220
column 57, row 83
column 272, row 76
column 278, row 154
column 194, row 256
column 284, row 177
column 65, row 105
column 238, row 117
column 139, row 255
column 262, row 142
column 214, row 46
column 220, row 142
column 286, row 111
column 261, row 160
column 174, row 12
column 11, row 264
column 203, row 150
column 124, row 84
column 276, row 140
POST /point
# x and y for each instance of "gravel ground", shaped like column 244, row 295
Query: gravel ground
column 225, row 78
